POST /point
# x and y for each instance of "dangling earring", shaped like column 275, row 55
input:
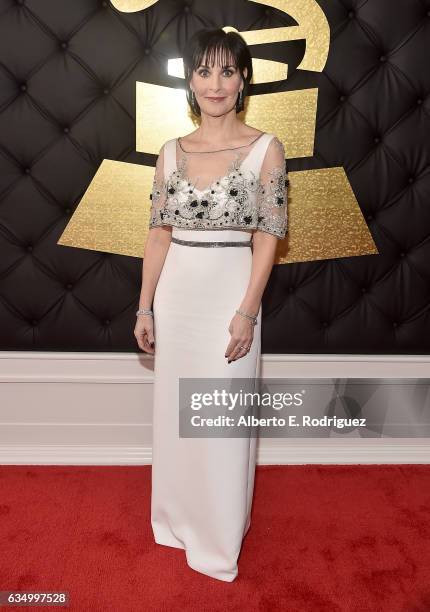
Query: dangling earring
column 193, row 97
column 239, row 102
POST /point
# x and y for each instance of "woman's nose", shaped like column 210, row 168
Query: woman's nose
column 214, row 84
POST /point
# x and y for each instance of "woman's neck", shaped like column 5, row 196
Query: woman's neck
column 219, row 129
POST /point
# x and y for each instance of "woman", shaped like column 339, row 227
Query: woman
column 219, row 186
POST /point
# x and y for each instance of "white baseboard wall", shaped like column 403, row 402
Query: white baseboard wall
column 96, row 409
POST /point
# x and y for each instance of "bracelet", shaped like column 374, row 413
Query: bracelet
column 143, row 311
column 252, row 317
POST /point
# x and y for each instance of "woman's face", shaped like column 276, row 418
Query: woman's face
column 216, row 87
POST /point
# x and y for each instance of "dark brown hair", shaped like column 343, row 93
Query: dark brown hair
column 216, row 44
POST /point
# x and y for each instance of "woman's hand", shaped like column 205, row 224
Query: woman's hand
column 144, row 333
column 242, row 334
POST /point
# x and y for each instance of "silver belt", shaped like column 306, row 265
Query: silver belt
column 211, row 244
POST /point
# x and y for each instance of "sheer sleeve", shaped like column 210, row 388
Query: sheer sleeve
column 273, row 191
column 158, row 192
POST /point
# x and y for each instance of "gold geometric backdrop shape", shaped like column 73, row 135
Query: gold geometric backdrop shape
column 312, row 27
column 326, row 219
column 113, row 215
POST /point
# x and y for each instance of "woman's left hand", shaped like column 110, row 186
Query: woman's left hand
column 242, row 334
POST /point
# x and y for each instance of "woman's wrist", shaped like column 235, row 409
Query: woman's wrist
column 251, row 309
column 250, row 317
column 145, row 303
column 144, row 308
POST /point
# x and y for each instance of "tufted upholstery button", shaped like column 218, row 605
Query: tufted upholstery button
column 69, row 286
column 34, row 321
column 402, row 254
column 376, row 139
column 23, row 87
column 369, row 217
column 68, row 211
column 324, row 323
column 394, row 324
column 105, row 4
column 342, row 98
column 29, row 248
column 382, row 58
column 106, row 91
column 20, row 2
column 147, row 51
column 291, row 289
column 411, row 179
column 363, row 290
column 186, row 9
column 107, row 321
column 419, row 101
column 66, row 130
column 351, row 14
column 64, row 45
column 27, row 170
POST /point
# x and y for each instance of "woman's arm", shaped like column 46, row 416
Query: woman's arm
column 263, row 257
column 156, row 248
column 272, row 225
column 157, row 245
column 272, row 222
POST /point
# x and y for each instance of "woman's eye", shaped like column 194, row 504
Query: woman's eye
column 203, row 72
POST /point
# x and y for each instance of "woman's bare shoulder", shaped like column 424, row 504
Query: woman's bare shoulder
column 253, row 131
column 188, row 138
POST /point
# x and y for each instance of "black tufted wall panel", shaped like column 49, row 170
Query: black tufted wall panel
column 68, row 70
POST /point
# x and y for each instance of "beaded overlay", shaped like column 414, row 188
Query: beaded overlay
column 238, row 200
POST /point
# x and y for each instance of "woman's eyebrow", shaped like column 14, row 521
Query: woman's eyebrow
column 224, row 67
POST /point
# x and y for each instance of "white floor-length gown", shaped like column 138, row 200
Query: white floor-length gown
column 202, row 488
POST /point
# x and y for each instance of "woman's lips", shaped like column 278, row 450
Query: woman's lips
column 215, row 99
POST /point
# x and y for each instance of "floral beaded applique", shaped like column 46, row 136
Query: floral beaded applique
column 238, row 200
column 272, row 199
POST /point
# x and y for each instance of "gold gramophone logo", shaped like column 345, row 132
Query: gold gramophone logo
column 325, row 220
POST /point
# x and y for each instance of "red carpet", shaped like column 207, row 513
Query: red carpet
column 323, row 538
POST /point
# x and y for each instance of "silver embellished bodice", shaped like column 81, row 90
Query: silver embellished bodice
column 246, row 188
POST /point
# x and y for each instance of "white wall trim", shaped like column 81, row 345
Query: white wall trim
column 293, row 452
column 67, row 409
